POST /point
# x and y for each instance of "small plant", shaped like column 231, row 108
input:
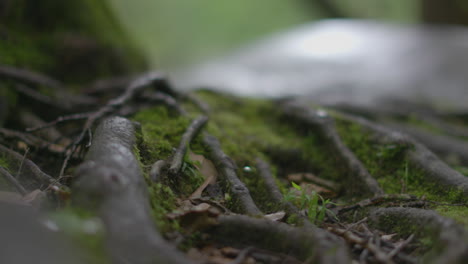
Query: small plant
column 309, row 201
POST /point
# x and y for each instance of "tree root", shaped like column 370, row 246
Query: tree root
column 133, row 88
column 187, row 137
column 320, row 122
column 227, row 169
column 450, row 148
column 434, row 169
column 311, row 245
column 275, row 194
column 450, row 240
column 111, row 179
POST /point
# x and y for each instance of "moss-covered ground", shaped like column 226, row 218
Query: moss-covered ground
column 390, row 165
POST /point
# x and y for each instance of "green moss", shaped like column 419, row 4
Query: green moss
column 163, row 201
column 389, row 164
column 162, row 131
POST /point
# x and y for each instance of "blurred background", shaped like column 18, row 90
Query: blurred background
column 174, row 32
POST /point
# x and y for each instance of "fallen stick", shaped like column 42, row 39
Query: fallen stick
column 110, row 181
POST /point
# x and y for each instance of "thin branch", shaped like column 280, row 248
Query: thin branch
column 60, row 119
column 191, row 132
column 133, row 88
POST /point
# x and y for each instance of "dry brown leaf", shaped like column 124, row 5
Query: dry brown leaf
column 207, row 169
column 278, row 216
column 310, row 187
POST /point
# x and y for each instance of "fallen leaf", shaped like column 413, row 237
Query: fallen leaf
column 207, row 169
column 388, row 237
column 278, row 216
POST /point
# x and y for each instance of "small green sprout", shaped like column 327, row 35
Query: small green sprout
column 313, row 202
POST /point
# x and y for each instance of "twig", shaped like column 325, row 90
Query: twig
column 187, row 137
column 397, row 249
column 351, row 237
column 27, row 138
column 60, row 119
column 133, row 88
column 13, row 181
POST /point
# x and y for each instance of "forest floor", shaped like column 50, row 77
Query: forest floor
column 129, row 170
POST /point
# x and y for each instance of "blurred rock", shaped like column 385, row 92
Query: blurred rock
column 346, row 61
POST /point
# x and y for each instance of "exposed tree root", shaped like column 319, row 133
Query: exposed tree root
column 307, row 244
column 111, row 180
column 187, row 137
column 275, row 194
column 133, row 88
column 435, row 170
column 242, row 200
column 450, row 148
column 450, row 240
column 323, row 124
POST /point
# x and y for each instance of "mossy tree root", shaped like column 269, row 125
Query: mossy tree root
column 448, row 239
column 434, row 169
column 323, row 124
column 312, row 245
column 242, row 200
column 134, row 88
column 444, row 146
column 111, row 182
column 275, row 194
column 192, row 131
